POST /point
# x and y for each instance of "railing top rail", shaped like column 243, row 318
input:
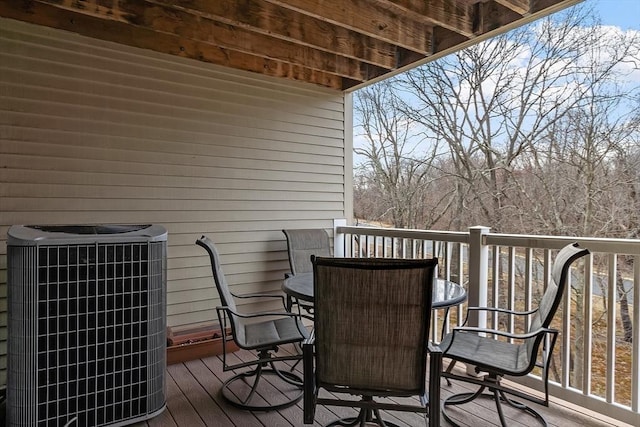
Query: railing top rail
column 447, row 236
column 595, row 244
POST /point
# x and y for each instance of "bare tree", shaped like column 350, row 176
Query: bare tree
column 494, row 102
column 395, row 181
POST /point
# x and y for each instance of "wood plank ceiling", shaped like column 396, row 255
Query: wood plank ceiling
column 340, row 44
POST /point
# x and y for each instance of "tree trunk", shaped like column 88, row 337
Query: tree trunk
column 625, row 317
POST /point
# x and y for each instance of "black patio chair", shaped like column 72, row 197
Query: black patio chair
column 496, row 353
column 370, row 338
column 263, row 332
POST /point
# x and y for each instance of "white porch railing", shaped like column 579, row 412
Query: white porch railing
column 597, row 363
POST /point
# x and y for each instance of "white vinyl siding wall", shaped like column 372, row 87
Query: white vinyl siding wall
column 94, row 132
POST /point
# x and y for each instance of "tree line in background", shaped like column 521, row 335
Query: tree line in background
column 536, row 131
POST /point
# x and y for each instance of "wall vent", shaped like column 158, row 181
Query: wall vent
column 87, row 322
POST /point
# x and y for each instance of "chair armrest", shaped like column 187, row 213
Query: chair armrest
column 497, row 310
column 262, row 313
column 433, row 348
column 278, row 313
column 296, row 316
column 506, row 334
column 502, row 310
column 246, row 296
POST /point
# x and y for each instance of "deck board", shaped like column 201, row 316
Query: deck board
column 193, row 400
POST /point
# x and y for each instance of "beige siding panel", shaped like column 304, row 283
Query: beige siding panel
column 164, row 119
column 130, row 180
column 190, row 102
column 92, row 132
column 122, row 66
column 242, row 148
column 225, row 168
column 239, row 135
column 135, row 192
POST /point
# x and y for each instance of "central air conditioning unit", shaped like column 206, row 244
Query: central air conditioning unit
column 87, row 324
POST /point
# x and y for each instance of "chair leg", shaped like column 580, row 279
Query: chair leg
column 522, row 407
column 452, row 364
column 287, row 376
column 497, row 395
column 365, row 416
column 382, row 423
column 231, row 388
column 459, row 399
column 298, row 348
column 349, row 422
column 496, row 398
column 258, row 374
column 362, row 419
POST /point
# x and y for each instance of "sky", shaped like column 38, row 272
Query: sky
column 622, row 13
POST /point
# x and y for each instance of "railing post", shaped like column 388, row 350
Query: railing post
column 478, row 273
column 338, row 238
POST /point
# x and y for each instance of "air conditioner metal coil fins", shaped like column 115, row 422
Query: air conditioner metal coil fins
column 87, row 322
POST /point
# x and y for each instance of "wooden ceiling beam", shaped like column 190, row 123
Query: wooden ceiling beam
column 186, row 25
column 368, row 17
column 444, row 39
column 521, row 7
column 116, row 30
column 182, row 22
column 334, row 43
column 492, row 15
column 265, row 18
column 454, row 15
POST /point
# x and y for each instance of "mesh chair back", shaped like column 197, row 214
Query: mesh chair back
column 226, row 297
column 302, row 243
column 553, row 294
column 372, row 323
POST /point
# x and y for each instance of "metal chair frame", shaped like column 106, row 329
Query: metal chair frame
column 491, row 369
column 311, row 241
column 369, row 407
column 228, row 316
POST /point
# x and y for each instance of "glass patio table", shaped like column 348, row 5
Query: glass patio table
column 446, row 294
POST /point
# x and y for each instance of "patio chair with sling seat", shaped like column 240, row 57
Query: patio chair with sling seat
column 514, row 354
column 262, row 332
column 302, row 243
column 372, row 319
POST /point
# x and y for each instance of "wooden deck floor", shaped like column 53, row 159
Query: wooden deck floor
column 193, row 400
